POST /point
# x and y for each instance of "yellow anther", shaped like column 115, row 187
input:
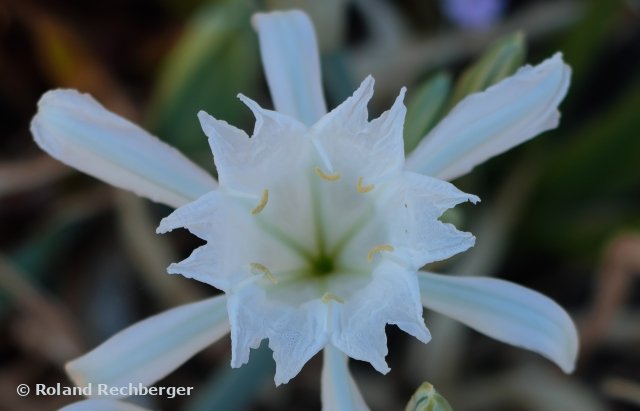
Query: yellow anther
column 261, row 269
column 362, row 188
column 263, row 202
column 328, row 177
column 377, row 249
column 328, row 297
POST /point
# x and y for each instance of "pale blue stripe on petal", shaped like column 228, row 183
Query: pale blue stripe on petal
column 151, row 349
column 491, row 122
column 505, row 311
column 76, row 130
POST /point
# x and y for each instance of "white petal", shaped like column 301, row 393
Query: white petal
column 208, row 217
column 198, row 216
column 358, row 327
column 268, row 161
column 291, row 63
column 350, row 144
column 505, row 311
column 149, row 350
column 227, row 224
column 75, row 129
column 416, row 233
column 247, row 164
column 489, row 123
column 351, row 115
column 339, row 391
column 295, row 333
column 102, row 405
column 205, row 265
column 385, row 134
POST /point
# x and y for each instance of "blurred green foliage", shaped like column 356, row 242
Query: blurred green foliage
column 215, row 59
column 425, row 108
column 501, row 60
column 337, row 78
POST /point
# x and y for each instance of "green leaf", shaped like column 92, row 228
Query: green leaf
column 216, row 58
column 501, row 60
column 426, row 398
column 425, row 108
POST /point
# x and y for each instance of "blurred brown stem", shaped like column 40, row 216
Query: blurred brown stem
column 17, row 176
column 621, row 260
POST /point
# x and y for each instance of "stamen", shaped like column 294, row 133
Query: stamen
column 362, row 188
column 262, row 204
column 328, row 177
column 377, row 249
column 257, row 268
column 328, row 297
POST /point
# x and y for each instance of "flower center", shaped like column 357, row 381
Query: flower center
column 322, row 266
column 319, row 232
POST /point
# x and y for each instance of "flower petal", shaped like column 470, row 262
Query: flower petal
column 505, row 311
column 221, row 262
column 295, row 333
column 339, row 391
column 351, row 115
column 198, row 216
column 102, row 405
column 489, row 123
column 291, row 63
column 358, row 325
column 214, row 263
column 348, row 142
column 75, row 129
column 149, row 350
column 416, row 232
column 247, row 164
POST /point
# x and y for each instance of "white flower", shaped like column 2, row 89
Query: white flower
column 316, row 233
column 318, row 227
